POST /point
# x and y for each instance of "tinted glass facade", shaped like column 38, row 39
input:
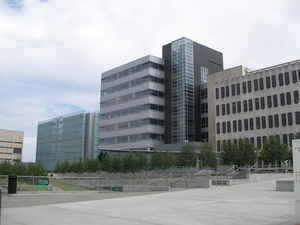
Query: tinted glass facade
column 68, row 138
column 187, row 66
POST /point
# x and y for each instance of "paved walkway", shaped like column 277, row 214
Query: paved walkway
column 247, row 204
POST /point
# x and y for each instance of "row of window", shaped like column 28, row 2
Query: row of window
column 132, row 83
column 131, row 110
column 260, row 122
column 259, row 103
column 131, row 138
column 258, row 84
column 260, row 141
column 132, row 70
column 132, row 96
column 132, row 124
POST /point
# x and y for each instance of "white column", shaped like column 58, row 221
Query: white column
column 296, row 166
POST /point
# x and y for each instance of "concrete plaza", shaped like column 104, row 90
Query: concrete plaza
column 247, row 204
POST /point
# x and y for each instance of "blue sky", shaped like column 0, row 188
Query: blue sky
column 53, row 52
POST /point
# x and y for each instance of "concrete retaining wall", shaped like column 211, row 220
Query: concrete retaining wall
column 285, row 185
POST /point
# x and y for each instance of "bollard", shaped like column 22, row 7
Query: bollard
column 12, row 185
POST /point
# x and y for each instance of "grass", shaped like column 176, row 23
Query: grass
column 70, row 187
column 3, row 181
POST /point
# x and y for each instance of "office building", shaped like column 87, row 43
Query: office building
column 11, row 145
column 254, row 104
column 187, row 66
column 71, row 137
column 132, row 105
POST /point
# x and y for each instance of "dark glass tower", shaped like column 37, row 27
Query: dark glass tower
column 187, row 65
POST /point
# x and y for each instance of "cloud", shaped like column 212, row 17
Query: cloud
column 53, row 52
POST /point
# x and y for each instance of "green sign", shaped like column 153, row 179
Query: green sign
column 42, row 182
column 41, row 186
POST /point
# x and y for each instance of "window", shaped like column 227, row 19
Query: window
column 252, row 140
column 280, row 78
column 223, row 109
column 269, row 101
column 250, row 105
column 275, row 101
column 238, row 89
column 285, row 139
column 270, row 118
column 258, row 141
column 218, row 128
column 264, row 139
column 288, row 98
column 290, row 119
column 294, row 76
column 224, row 127
column 256, row 103
column 217, row 93
column 273, row 81
column 283, row 119
column 246, row 127
column 17, row 150
column 287, row 78
column 233, row 107
column 233, row 90
column 268, row 81
column 297, row 116
column 245, row 105
column 218, row 146
column 227, row 91
column 276, row 120
column 291, row 137
column 255, row 85
column 228, row 108
column 261, row 83
column 234, row 126
column 244, row 87
column 249, row 86
column 263, row 122
column 257, row 119
column 239, row 107
column 217, row 110
column 228, row 127
column 296, row 97
column 251, row 123
column 299, row 75
column 262, row 102
column 240, row 125
column 282, row 99
column 222, row 92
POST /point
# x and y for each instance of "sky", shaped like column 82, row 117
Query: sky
column 52, row 52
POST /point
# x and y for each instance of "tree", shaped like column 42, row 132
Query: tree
column 142, row 161
column 187, row 156
column 91, row 165
column 229, row 153
column 77, row 166
column 129, row 162
column 246, row 154
column 274, row 151
column 208, row 157
column 116, row 164
column 106, row 162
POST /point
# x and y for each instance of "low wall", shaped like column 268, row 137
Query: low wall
column 285, row 185
column 269, row 176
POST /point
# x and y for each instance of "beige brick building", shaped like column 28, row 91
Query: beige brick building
column 254, row 105
column 11, row 144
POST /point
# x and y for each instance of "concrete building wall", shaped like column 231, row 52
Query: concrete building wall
column 11, row 145
column 132, row 105
column 284, row 80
